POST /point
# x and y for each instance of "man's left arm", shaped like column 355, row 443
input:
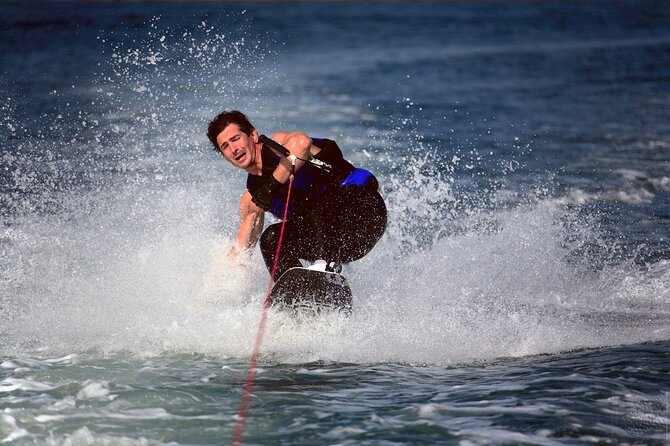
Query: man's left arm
column 298, row 144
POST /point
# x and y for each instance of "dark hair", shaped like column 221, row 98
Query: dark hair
column 223, row 120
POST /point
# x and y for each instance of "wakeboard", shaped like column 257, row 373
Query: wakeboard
column 311, row 290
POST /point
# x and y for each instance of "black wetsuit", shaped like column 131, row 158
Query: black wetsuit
column 327, row 220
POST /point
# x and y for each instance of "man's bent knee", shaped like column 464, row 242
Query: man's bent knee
column 268, row 241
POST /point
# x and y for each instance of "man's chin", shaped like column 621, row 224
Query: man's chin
column 242, row 165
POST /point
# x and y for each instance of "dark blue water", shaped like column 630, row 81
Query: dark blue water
column 521, row 293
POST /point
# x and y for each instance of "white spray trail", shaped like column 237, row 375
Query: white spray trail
column 129, row 254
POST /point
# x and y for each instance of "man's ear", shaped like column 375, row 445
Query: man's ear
column 254, row 136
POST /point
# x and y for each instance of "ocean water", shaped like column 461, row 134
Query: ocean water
column 521, row 294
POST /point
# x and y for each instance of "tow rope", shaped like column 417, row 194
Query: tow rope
column 242, row 412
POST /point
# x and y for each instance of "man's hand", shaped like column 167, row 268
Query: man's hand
column 238, row 255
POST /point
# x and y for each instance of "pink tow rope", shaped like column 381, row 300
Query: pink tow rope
column 242, row 412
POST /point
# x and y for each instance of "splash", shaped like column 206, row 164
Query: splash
column 102, row 194
column 510, row 285
column 118, row 218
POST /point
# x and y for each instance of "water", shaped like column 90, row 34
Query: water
column 520, row 294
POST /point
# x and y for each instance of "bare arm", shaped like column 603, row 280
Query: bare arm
column 251, row 225
column 300, row 145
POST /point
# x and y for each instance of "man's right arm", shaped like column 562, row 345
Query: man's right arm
column 251, row 225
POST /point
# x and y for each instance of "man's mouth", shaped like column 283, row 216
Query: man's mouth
column 239, row 157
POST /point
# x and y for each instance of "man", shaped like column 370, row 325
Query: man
column 335, row 214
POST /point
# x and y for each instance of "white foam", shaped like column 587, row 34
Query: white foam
column 15, row 432
column 50, row 418
column 92, row 389
column 11, row 384
column 428, row 410
column 8, row 364
column 84, row 436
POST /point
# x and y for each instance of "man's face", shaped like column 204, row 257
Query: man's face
column 238, row 147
